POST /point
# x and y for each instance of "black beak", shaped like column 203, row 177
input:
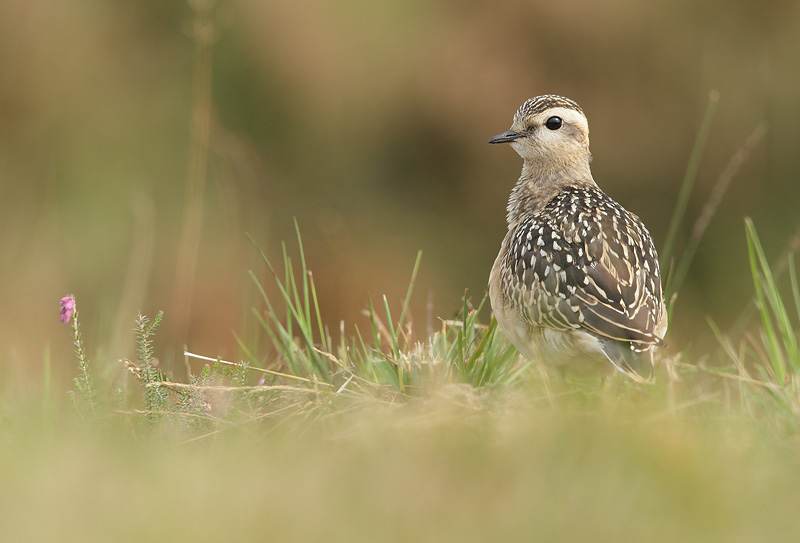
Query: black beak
column 506, row 137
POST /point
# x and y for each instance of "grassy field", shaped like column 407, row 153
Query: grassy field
column 528, row 462
column 460, row 465
column 141, row 140
column 389, row 437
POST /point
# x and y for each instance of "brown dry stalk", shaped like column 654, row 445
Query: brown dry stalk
column 725, row 178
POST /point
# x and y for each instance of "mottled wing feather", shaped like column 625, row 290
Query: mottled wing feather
column 585, row 262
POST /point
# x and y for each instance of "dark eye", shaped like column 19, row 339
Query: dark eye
column 553, row 123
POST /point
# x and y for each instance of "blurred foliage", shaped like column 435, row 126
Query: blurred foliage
column 367, row 121
column 460, row 467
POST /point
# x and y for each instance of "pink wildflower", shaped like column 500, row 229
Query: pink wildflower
column 67, row 307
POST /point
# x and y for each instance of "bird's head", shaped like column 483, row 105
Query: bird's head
column 548, row 128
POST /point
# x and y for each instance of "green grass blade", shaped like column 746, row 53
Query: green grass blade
column 287, row 280
column 689, row 178
column 407, row 301
column 795, row 289
column 364, row 358
column 376, row 338
column 759, row 270
column 484, row 341
column 250, row 356
column 322, row 335
column 306, row 304
column 286, row 353
column 395, row 346
column 391, row 327
column 775, row 300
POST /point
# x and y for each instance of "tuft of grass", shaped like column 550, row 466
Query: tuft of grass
column 765, row 361
column 462, row 351
column 780, row 354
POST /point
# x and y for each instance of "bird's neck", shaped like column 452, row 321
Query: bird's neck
column 538, row 184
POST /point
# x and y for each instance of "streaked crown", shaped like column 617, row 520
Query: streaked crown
column 540, row 104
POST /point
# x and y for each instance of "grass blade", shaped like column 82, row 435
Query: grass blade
column 689, row 177
column 411, row 283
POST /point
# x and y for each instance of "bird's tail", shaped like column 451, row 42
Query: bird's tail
column 635, row 363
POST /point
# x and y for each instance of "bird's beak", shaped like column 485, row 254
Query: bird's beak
column 506, row 137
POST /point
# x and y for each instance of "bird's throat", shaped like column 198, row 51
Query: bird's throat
column 536, row 186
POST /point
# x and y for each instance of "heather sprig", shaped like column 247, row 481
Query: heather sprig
column 83, row 382
column 155, row 396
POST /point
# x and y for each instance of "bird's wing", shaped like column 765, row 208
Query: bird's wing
column 585, row 262
column 621, row 298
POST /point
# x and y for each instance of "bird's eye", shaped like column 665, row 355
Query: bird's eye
column 553, row 123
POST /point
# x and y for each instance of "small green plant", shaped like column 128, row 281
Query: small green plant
column 83, row 382
column 155, row 395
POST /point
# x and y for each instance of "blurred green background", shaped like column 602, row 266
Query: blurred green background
column 368, row 121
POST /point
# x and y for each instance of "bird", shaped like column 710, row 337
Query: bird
column 576, row 283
